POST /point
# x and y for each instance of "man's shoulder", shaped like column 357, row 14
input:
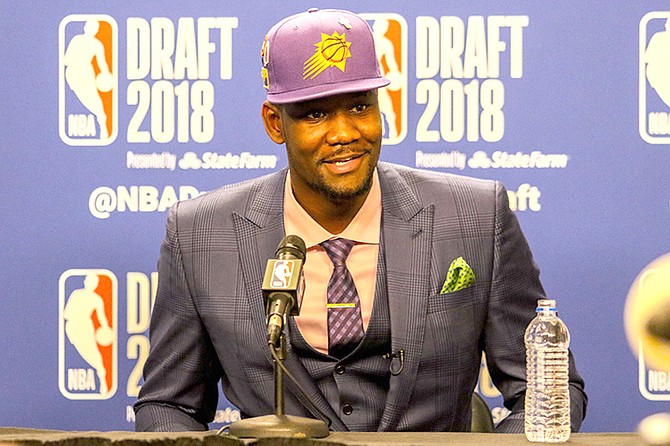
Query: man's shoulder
column 429, row 182
column 237, row 197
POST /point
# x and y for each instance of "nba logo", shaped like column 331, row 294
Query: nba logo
column 88, row 80
column 647, row 299
column 654, row 78
column 390, row 34
column 87, row 338
column 281, row 273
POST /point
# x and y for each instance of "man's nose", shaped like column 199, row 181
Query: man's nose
column 343, row 129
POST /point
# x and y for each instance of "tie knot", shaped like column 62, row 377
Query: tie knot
column 338, row 250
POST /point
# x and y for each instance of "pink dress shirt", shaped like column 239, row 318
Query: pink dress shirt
column 362, row 261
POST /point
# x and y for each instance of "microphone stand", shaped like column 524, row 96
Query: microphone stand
column 279, row 424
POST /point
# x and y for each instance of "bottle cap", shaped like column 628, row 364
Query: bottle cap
column 546, row 305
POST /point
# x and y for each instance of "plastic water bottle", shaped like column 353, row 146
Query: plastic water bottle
column 547, row 394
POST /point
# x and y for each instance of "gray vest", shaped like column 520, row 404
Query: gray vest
column 355, row 386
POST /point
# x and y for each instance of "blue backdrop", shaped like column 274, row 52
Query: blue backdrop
column 112, row 112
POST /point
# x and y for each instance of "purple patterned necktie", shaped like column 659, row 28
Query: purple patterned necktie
column 345, row 324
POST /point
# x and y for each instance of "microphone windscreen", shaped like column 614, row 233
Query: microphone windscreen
column 647, row 314
column 659, row 324
column 292, row 245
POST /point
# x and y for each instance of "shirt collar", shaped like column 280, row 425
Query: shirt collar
column 363, row 228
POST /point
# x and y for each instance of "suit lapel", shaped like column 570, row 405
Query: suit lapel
column 407, row 229
column 258, row 233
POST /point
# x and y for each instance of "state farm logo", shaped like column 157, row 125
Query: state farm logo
column 390, row 34
column 88, row 80
column 88, row 341
column 655, row 77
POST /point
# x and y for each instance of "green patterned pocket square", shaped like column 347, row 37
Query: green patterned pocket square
column 459, row 276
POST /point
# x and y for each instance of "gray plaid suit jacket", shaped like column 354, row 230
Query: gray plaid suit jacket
column 208, row 322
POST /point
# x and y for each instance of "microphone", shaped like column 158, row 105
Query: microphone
column 659, row 324
column 396, row 366
column 283, row 288
column 283, row 284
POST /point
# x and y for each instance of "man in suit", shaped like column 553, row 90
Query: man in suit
column 411, row 358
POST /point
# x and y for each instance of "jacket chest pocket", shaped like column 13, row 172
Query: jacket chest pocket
column 455, row 320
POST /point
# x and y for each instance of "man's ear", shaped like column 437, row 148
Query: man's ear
column 272, row 121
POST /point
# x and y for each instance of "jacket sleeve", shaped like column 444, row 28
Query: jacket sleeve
column 182, row 371
column 515, row 290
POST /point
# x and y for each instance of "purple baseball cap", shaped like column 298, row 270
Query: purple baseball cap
column 319, row 53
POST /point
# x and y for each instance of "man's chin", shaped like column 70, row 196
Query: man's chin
column 346, row 193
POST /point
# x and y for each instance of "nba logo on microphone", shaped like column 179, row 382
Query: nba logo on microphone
column 390, row 34
column 88, row 334
column 281, row 273
column 88, row 80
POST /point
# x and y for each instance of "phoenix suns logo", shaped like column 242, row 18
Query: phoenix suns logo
column 332, row 51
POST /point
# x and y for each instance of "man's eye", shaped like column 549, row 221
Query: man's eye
column 315, row 115
column 359, row 108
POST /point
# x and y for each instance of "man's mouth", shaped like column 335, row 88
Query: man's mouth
column 344, row 164
column 342, row 160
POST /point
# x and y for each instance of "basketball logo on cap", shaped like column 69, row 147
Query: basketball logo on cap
column 265, row 60
column 332, row 51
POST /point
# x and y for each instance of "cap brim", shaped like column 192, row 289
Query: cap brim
column 324, row 90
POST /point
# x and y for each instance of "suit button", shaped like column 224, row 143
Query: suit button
column 340, row 369
column 347, row 409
